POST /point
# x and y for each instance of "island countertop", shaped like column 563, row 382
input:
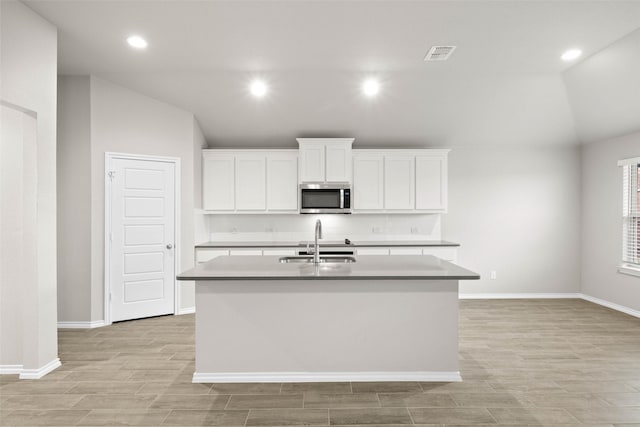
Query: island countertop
column 366, row 267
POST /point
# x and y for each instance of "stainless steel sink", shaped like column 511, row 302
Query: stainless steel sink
column 323, row 259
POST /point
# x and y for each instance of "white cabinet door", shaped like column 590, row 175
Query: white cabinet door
column 206, row 254
column 245, row 252
column 282, row 182
column 445, row 252
column 399, row 182
column 431, row 183
column 338, row 162
column 312, row 158
column 251, row 187
column 278, row 252
column 218, row 173
column 368, row 182
column 405, row 251
column 372, row 251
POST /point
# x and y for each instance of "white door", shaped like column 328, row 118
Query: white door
column 218, row 187
column 251, row 187
column 142, row 234
column 431, row 179
column 399, row 182
column 312, row 162
column 368, row 181
column 282, row 182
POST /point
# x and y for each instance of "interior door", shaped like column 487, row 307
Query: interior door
column 142, row 238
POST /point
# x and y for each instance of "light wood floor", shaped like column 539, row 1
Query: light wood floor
column 539, row 362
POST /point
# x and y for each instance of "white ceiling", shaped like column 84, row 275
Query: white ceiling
column 502, row 85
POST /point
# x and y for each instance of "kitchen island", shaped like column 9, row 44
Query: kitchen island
column 380, row 318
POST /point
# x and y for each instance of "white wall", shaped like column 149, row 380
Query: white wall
column 604, row 91
column 74, row 198
column 334, row 227
column 516, row 211
column 28, row 64
column 602, row 221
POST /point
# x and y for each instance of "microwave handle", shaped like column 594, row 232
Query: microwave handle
column 341, row 198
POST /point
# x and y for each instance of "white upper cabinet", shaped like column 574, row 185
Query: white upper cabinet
column 282, row 181
column 399, row 182
column 325, row 159
column 368, row 181
column 312, row 157
column 431, row 182
column 250, row 181
column 251, row 186
column 218, row 174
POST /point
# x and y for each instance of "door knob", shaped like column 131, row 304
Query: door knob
column 169, row 246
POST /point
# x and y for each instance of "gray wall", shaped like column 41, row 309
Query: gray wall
column 127, row 122
column 516, row 211
column 97, row 116
column 74, row 198
column 604, row 91
column 28, row 65
column 602, row 221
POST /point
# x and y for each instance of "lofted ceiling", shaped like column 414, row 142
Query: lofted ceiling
column 503, row 85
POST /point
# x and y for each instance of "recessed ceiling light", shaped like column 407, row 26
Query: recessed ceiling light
column 137, row 42
column 371, row 87
column 258, row 88
column 571, row 54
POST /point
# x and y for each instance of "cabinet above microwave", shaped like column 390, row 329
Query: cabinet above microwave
column 325, row 159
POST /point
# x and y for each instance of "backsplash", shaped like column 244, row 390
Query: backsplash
column 335, row 227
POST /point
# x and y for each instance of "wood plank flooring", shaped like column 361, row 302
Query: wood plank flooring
column 524, row 362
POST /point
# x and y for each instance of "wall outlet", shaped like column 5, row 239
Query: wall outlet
column 415, row 230
column 493, row 275
column 234, row 230
column 269, row 229
column 376, row 230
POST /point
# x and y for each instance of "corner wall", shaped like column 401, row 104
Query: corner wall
column 28, row 67
column 602, row 221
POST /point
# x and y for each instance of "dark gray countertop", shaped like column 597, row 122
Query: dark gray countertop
column 369, row 267
column 355, row 244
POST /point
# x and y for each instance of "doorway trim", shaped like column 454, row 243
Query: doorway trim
column 108, row 156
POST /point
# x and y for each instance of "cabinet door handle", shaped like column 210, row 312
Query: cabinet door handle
column 169, row 246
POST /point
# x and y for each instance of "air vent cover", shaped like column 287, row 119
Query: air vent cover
column 439, row 53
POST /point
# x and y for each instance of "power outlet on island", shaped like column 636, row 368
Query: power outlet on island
column 493, row 275
column 376, row 230
column 415, row 230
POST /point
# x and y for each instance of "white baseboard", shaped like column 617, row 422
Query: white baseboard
column 520, row 296
column 304, row 377
column 10, row 369
column 186, row 310
column 81, row 325
column 611, row 305
column 36, row 374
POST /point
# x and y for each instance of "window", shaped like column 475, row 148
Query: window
column 630, row 216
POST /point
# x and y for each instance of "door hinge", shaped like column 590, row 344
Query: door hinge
column 111, row 237
column 111, row 174
column 110, row 296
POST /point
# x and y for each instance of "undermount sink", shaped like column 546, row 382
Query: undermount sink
column 323, row 259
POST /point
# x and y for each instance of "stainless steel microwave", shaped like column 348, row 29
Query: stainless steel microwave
column 321, row 198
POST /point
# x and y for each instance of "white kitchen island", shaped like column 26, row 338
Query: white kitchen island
column 382, row 318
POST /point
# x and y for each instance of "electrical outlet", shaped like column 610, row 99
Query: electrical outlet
column 493, row 274
column 234, row 230
column 269, row 229
column 414, row 230
column 376, row 230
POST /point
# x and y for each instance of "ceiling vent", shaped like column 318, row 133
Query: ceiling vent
column 439, row 53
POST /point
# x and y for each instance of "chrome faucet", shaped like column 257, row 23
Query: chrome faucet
column 316, row 249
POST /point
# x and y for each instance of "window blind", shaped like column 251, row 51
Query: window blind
column 630, row 213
